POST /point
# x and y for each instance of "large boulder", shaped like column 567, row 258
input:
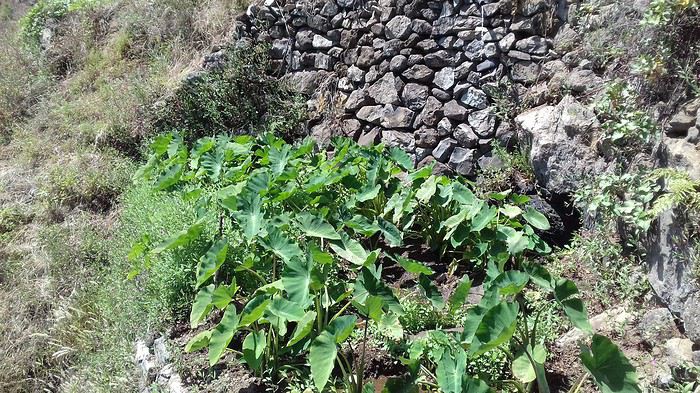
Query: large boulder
column 559, row 153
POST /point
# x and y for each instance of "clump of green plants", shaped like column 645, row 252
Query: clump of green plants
column 48, row 11
column 239, row 96
column 296, row 264
column 662, row 12
column 628, row 129
column 514, row 168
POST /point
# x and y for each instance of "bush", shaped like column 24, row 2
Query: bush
column 239, row 97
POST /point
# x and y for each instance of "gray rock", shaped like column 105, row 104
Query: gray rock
column 532, row 7
column 321, row 42
column 351, row 127
column 534, row 45
column 581, row 81
column 566, row 39
column 678, row 351
column 445, row 78
column 419, row 73
column 462, row 71
column 454, row 111
column 475, row 98
column 427, row 45
column 657, row 326
column 490, row 163
column 485, row 65
column 306, row 82
column 396, row 117
column 490, row 50
column 370, row 137
column 426, row 137
column 402, row 140
column 465, row 135
column 532, row 25
column 682, row 121
column 507, row 42
column 693, row 135
column 355, row 74
column 385, row 90
column 474, row 49
column 438, row 60
column 399, row 27
column 518, row 55
column 371, row 114
column 398, row 64
column 440, row 94
column 421, row 27
column 432, row 111
column 462, row 161
column 324, row 62
column 346, row 3
column 304, row 39
column 422, row 153
column 356, row 100
column 414, row 96
column 444, row 149
column 444, row 127
column 365, row 57
column 483, row 123
column 560, row 161
column 526, row 72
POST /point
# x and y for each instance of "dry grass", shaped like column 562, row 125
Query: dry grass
column 73, row 120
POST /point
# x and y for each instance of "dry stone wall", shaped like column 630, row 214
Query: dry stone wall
column 421, row 75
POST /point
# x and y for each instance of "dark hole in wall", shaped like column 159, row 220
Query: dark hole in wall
column 565, row 219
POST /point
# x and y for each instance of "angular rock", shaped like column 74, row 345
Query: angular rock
column 526, row 72
column 445, row 78
column 355, row 74
column 438, row 60
column 534, row 45
column 414, row 96
column 371, row 114
column 396, row 117
column 402, row 140
column 444, row 149
column 483, row 122
column 462, row 161
column 399, row 27
column 475, row 98
column 444, row 127
column 507, row 42
column 560, row 161
column 321, row 42
column 465, row 135
column 370, row 137
column 454, row 111
column 432, row 111
column 657, row 326
column 440, row 94
column 365, row 57
column 356, row 100
column 581, row 81
column 385, row 90
column 306, row 82
column 398, row 64
column 419, row 73
column 427, row 137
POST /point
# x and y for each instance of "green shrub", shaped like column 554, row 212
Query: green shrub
column 45, row 11
column 239, row 97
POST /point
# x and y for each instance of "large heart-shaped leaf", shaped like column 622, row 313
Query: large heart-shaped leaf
column 296, row 279
column 223, row 333
column 536, row 219
column 496, row 327
column 342, row 327
column 413, row 266
column 350, row 250
column 253, row 310
column 277, row 242
column 451, row 369
column 322, row 355
column 391, row 233
column 303, row 328
column 316, row 227
column 610, row 368
column 210, row 262
column 202, row 305
column 181, row 238
column 254, row 346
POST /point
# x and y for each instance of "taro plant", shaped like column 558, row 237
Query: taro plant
column 300, row 239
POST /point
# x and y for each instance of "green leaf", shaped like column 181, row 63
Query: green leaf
column 523, row 368
column 279, row 159
column 431, row 292
column 322, row 357
column 342, row 327
column 169, row 178
column 360, row 224
column 496, row 327
column 316, row 227
column 517, row 242
column 391, row 233
column 401, row 158
column 250, row 218
column 368, row 193
column 287, row 310
column 473, row 385
column 450, row 370
column 210, row 262
column 484, row 218
column 320, row 256
column 461, row 293
column 350, row 250
column 254, row 346
column 253, row 310
column 198, row 342
column 278, row 243
column 201, row 305
column 221, row 335
column 390, row 326
column 611, row 370
column 296, row 279
column 511, row 211
column 223, row 294
column 182, row 238
column 565, row 293
column 303, row 328
column 212, row 162
column 413, row 266
column 427, row 189
column 510, row 282
column 536, row 219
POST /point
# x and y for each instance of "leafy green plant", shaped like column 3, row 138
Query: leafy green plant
column 661, row 12
column 44, row 11
column 303, row 240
